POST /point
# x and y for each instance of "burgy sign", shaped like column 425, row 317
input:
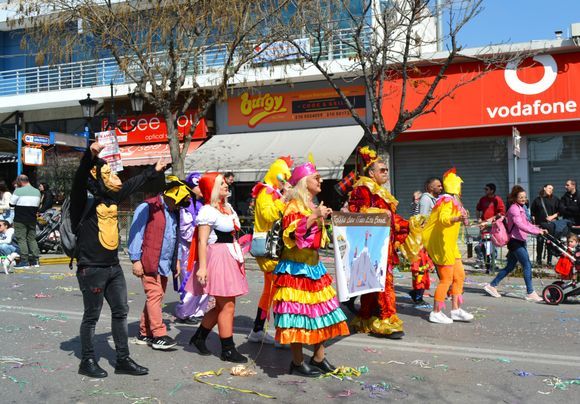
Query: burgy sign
column 152, row 128
column 540, row 89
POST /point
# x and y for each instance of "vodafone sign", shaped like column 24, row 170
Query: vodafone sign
column 544, row 88
column 152, row 128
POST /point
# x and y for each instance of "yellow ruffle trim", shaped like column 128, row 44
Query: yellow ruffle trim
column 377, row 326
column 304, row 297
column 266, row 264
column 310, row 337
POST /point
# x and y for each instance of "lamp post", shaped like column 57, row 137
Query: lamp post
column 89, row 107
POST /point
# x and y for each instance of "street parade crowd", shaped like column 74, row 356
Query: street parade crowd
column 189, row 232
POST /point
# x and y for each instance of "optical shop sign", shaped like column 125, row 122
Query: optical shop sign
column 542, row 88
column 252, row 109
column 152, row 128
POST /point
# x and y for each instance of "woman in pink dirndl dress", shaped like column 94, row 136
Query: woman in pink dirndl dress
column 220, row 270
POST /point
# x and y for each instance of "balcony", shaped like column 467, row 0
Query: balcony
column 95, row 73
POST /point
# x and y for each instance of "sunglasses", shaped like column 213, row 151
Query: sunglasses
column 383, row 170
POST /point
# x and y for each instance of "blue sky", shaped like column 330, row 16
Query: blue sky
column 520, row 21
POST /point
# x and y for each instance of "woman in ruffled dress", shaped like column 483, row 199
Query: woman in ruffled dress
column 305, row 305
column 220, row 268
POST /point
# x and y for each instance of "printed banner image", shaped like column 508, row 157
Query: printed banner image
column 361, row 250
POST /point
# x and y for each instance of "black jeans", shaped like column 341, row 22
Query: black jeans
column 96, row 284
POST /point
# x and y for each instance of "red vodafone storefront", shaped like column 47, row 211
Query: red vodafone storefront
column 473, row 129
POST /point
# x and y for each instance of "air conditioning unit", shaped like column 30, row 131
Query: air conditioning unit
column 575, row 30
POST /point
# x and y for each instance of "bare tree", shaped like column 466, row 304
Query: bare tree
column 179, row 53
column 381, row 41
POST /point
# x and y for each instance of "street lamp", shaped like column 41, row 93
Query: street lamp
column 89, row 107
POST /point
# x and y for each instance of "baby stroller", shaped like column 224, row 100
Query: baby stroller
column 559, row 291
column 47, row 234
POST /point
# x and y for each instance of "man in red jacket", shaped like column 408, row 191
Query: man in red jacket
column 378, row 312
column 153, row 251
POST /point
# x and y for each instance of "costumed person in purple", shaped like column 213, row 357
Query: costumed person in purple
column 190, row 308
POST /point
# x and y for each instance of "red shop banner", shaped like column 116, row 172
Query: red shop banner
column 544, row 88
column 152, row 129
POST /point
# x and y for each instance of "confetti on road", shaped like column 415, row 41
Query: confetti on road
column 42, row 296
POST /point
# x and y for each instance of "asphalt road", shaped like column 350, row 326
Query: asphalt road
column 514, row 352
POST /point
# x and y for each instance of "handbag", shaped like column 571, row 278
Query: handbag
column 258, row 246
column 274, row 241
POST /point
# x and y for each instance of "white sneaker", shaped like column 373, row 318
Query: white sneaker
column 261, row 336
column 461, row 315
column 492, row 291
column 533, row 297
column 439, row 318
column 5, row 265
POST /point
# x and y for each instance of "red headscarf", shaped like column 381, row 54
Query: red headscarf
column 206, row 184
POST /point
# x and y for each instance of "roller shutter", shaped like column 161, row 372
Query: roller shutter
column 553, row 160
column 477, row 161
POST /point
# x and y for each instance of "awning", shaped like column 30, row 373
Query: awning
column 248, row 155
column 139, row 155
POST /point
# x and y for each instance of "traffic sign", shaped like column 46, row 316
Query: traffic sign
column 42, row 140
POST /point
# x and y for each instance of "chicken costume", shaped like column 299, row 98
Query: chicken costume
column 440, row 237
column 269, row 207
column 378, row 312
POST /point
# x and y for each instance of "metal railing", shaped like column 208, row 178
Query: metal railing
column 93, row 73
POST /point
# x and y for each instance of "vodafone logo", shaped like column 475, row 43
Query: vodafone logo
column 550, row 75
column 548, row 106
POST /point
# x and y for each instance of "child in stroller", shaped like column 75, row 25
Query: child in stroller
column 568, row 267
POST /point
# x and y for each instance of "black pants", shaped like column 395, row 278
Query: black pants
column 97, row 284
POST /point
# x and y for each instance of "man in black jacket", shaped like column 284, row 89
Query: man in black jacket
column 99, row 273
column 569, row 203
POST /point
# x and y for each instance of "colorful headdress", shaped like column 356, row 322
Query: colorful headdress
column 192, row 179
column 206, row 184
column 302, row 171
column 279, row 171
column 177, row 190
column 368, row 156
column 452, row 182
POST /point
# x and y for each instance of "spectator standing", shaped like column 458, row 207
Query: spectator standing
column 415, row 203
column 8, row 248
column 153, row 250
column 25, row 201
column 433, row 189
column 99, row 273
column 229, row 179
column 6, row 211
column 489, row 207
column 545, row 209
column 570, row 203
column 46, row 198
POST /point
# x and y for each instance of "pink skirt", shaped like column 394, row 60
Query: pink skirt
column 226, row 277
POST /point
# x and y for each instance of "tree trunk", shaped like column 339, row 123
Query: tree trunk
column 178, row 164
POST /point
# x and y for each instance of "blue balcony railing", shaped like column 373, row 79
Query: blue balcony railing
column 102, row 72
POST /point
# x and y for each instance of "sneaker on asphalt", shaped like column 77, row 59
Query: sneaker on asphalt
column 533, row 297
column 143, row 340
column 22, row 265
column 163, row 343
column 461, row 315
column 492, row 291
column 5, row 265
column 439, row 318
column 261, row 336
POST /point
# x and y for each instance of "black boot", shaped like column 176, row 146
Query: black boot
column 413, row 294
column 259, row 321
column 90, row 368
column 198, row 340
column 324, row 366
column 304, row 369
column 230, row 353
column 128, row 366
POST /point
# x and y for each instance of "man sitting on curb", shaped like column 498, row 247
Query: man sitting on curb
column 153, row 251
